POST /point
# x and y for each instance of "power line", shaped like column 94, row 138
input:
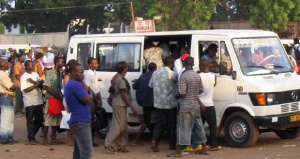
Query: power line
column 59, row 8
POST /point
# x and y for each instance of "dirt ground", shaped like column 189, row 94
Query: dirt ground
column 269, row 146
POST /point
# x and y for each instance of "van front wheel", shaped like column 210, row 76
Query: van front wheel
column 290, row 133
column 240, row 130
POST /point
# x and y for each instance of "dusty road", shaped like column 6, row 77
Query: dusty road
column 269, row 146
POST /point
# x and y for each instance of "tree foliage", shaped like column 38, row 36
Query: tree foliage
column 271, row 15
column 180, row 14
column 58, row 20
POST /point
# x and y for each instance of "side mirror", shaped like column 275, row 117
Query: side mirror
column 223, row 68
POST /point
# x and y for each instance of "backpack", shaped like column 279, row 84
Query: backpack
column 100, row 119
column 297, row 53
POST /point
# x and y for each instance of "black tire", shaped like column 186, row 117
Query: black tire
column 290, row 133
column 240, row 130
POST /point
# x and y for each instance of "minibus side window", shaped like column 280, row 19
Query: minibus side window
column 205, row 54
column 109, row 55
column 225, row 57
column 83, row 53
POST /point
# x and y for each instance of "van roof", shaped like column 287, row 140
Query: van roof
column 225, row 32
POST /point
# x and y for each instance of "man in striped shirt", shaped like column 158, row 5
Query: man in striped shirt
column 189, row 117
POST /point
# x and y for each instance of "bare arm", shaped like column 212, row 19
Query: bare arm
column 29, row 89
column 125, row 97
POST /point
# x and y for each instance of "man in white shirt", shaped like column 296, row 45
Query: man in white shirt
column 209, row 115
column 163, row 82
column 48, row 60
column 33, row 102
column 91, row 80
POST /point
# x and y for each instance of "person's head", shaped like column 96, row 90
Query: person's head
column 189, row 62
column 28, row 66
column 93, row 63
column 50, row 49
column 212, row 49
column 152, row 67
column 10, row 49
column 122, row 68
column 69, row 64
column 169, row 62
column 29, row 54
column 184, row 56
column 288, row 50
column 60, row 54
column 76, row 72
column 296, row 41
column 21, row 58
column 58, row 62
column 39, row 56
column 3, row 65
column 204, row 65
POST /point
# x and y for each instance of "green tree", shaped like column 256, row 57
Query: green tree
column 180, row 14
column 2, row 28
column 58, row 20
column 271, row 15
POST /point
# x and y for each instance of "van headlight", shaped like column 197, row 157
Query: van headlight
column 271, row 99
column 263, row 99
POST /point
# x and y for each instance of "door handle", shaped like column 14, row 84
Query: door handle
column 134, row 80
column 99, row 79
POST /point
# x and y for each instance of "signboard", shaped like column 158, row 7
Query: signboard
column 143, row 26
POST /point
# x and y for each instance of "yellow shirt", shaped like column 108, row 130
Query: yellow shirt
column 18, row 70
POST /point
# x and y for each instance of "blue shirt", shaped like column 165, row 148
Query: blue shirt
column 144, row 93
column 74, row 94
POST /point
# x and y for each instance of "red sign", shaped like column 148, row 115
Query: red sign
column 143, row 26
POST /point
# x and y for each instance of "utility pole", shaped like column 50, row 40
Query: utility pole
column 132, row 14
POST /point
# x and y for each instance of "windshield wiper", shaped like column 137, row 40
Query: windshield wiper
column 254, row 66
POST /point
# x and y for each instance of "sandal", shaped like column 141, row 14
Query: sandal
column 110, row 150
column 154, row 148
column 174, row 154
column 124, row 150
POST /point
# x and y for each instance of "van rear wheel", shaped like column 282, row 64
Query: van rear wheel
column 240, row 130
column 290, row 133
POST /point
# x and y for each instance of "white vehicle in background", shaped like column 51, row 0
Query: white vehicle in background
column 20, row 48
column 257, row 91
column 289, row 42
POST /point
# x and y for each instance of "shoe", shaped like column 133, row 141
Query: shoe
column 198, row 148
column 154, row 148
column 189, row 149
column 110, row 150
column 215, row 148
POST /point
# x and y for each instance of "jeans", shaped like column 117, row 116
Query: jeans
column 210, row 117
column 19, row 100
column 165, row 117
column 82, row 140
column 34, row 117
column 7, row 119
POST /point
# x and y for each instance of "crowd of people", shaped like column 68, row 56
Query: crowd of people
column 181, row 100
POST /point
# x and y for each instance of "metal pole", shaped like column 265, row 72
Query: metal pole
column 87, row 29
column 132, row 14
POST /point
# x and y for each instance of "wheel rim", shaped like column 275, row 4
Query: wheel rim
column 238, row 130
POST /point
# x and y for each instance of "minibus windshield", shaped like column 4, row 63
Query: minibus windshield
column 263, row 55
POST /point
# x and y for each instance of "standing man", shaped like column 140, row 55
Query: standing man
column 77, row 98
column 6, row 105
column 189, row 117
column 18, row 72
column 209, row 82
column 144, row 97
column 33, row 102
column 48, row 60
column 91, row 80
column 154, row 54
column 296, row 51
column 163, row 82
column 53, row 86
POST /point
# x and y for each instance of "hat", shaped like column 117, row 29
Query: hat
column 184, row 56
column 50, row 49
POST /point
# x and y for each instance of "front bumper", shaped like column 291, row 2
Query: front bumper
column 278, row 122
